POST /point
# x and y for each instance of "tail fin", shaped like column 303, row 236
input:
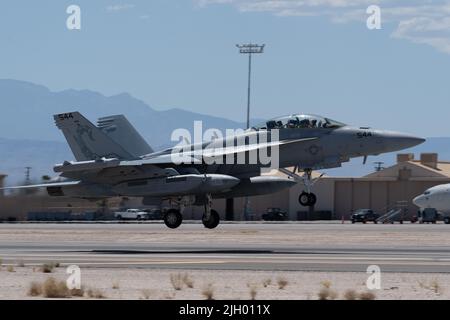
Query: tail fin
column 86, row 140
column 121, row 131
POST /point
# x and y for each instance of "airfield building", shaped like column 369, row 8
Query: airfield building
column 381, row 191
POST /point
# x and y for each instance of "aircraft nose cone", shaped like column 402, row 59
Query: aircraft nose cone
column 419, row 201
column 406, row 141
column 398, row 141
column 413, row 141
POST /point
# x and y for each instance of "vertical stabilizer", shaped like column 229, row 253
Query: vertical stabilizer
column 120, row 130
column 86, row 141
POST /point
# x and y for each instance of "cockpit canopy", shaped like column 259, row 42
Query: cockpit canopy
column 300, row 121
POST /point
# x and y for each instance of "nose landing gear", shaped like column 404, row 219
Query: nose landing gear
column 306, row 198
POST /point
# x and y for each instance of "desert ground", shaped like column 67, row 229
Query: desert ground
column 236, row 261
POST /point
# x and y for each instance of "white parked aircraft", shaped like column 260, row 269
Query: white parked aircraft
column 437, row 198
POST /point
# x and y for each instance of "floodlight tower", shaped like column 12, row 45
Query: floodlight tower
column 250, row 49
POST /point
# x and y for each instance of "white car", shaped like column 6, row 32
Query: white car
column 131, row 214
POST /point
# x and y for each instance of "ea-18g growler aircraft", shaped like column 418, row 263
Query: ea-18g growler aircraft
column 113, row 160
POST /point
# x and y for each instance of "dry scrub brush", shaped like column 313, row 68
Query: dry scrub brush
column 326, row 293
column 208, row 292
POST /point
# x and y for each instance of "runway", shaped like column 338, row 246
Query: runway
column 265, row 247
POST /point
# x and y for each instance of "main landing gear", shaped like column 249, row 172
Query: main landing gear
column 173, row 217
column 211, row 218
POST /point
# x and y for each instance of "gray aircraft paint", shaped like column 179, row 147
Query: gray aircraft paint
column 106, row 168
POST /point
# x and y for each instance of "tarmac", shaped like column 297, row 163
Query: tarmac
column 323, row 247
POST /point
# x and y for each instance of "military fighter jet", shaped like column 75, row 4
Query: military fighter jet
column 113, row 160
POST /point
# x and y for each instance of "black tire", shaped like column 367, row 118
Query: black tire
column 375, row 221
column 447, row 220
column 353, row 221
column 364, row 221
column 312, row 199
column 173, row 218
column 214, row 220
column 119, row 217
column 303, row 199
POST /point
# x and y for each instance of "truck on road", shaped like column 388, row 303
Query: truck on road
column 131, row 214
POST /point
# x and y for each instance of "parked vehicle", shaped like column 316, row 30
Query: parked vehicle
column 274, row 214
column 154, row 214
column 365, row 215
column 429, row 215
column 131, row 214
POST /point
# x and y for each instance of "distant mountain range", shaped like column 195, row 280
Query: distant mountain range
column 27, row 111
column 28, row 136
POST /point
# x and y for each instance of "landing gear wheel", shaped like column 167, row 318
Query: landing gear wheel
column 173, row 218
column 312, row 199
column 304, row 199
column 307, row 199
column 213, row 221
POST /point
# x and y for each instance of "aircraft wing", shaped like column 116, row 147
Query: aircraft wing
column 43, row 185
column 249, row 148
column 189, row 157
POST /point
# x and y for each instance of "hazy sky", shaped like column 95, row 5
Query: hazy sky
column 320, row 56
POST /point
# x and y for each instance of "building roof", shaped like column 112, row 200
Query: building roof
column 415, row 170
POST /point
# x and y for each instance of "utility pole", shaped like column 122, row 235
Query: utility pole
column 378, row 166
column 250, row 49
column 27, row 175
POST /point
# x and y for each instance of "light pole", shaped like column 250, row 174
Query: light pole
column 250, row 49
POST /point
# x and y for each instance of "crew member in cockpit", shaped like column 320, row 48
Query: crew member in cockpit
column 305, row 123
